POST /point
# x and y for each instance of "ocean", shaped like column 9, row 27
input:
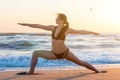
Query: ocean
column 16, row 49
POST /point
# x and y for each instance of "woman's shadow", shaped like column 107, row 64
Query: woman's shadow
column 15, row 76
column 75, row 76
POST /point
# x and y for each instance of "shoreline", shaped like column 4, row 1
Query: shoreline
column 103, row 66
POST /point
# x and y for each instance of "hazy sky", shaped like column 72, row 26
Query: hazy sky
column 94, row 15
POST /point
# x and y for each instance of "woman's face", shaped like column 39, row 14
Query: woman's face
column 59, row 21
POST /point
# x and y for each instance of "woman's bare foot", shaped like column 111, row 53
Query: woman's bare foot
column 102, row 71
column 24, row 73
column 29, row 73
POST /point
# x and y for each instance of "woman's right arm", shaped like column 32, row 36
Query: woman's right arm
column 73, row 31
column 48, row 28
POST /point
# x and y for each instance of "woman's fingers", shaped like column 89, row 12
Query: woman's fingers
column 23, row 24
column 96, row 33
column 19, row 23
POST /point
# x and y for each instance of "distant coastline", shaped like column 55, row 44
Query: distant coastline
column 24, row 34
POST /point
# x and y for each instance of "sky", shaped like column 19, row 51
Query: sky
column 101, row 16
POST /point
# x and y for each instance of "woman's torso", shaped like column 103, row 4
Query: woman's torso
column 58, row 46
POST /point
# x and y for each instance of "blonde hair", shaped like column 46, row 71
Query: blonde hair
column 63, row 17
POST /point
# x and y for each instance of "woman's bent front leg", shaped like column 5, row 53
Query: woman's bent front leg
column 33, row 62
column 40, row 53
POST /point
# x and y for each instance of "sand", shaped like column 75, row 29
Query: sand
column 78, row 74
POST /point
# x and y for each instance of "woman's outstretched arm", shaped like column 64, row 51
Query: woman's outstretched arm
column 73, row 31
column 48, row 28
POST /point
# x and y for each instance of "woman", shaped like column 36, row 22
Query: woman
column 59, row 49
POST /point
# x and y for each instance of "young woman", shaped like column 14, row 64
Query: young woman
column 59, row 49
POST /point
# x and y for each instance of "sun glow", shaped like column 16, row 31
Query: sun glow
column 111, row 12
column 113, row 15
column 95, row 15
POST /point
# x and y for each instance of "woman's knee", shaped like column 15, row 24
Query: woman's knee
column 36, row 53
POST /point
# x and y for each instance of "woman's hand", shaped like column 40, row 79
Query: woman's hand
column 95, row 33
column 23, row 24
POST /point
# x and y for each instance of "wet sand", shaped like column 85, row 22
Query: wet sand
column 78, row 74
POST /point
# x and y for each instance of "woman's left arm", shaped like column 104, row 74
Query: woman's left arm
column 73, row 31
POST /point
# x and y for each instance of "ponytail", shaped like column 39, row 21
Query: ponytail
column 66, row 24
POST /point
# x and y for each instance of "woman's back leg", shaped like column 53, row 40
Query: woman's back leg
column 71, row 57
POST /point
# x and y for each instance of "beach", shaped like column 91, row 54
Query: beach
column 78, row 74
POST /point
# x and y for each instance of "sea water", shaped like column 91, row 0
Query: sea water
column 16, row 49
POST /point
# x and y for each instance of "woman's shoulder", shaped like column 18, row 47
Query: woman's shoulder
column 69, row 30
column 52, row 27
